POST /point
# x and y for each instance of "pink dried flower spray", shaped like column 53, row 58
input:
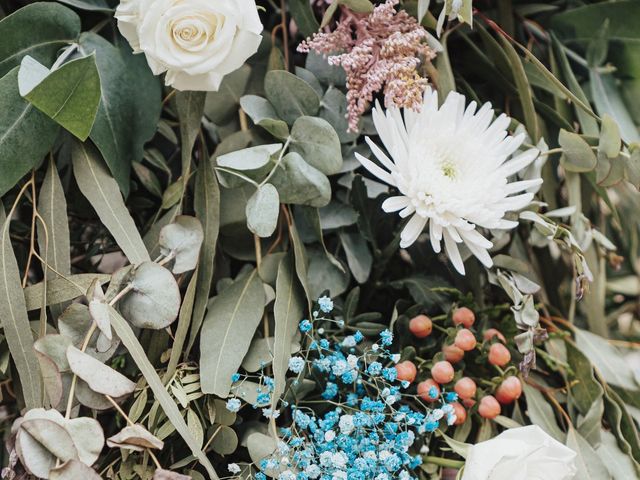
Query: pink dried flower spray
column 382, row 50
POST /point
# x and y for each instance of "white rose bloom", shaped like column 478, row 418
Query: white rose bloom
column 197, row 42
column 525, row 453
column 452, row 166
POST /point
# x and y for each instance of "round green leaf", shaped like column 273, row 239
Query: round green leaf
column 225, row 442
column 262, row 210
column 291, row 96
column 299, row 183
column 154, row 301
column 100, row 377
column 318, row 143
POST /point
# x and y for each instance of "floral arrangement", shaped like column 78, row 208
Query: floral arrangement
column 319, row 240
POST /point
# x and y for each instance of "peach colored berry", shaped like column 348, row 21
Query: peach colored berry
column 420, row 326
column 465, row 340
column 499, row 355
column 509, row 390
column 452, row 353
column 464, row 316
column 465, row 388
column 460, row 412
column 489, row 407
column 442, row 372
column 406, row 371
column 426, row 390
column 492, row 332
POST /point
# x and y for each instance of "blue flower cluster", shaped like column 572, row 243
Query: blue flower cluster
column 372, row 427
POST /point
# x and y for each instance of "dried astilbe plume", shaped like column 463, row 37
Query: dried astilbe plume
column 381, row 50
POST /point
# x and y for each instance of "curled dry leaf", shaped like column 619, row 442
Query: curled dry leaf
column 161, row 474
column 73, row 470
column 99, row 312
column 135, row 437
column 155, row 299
column 100, row 377
column 182, row 240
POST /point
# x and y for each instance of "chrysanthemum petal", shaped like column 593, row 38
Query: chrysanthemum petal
column 376, row 170
column 412, row 230
column 393, row 204
column 452, row 252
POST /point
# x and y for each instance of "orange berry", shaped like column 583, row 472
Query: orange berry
column 465, row 340
column 421, row 326
column 492, row 332
column 499, row 355
column 489, row 407
column 463, row 316
column 460, row 412
column 452, row 353
column 509, row 390
column 468, row 402
column 425, row 390
column 465, row 388
column 442, row 372
column 406, row 371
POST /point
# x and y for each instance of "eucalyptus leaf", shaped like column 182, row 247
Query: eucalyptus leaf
column 262, row 210
column 607, row 359
column 100, row 377
column 318, row 143
column 136, row 438
column 154, row 301
column 97, row 185
column 225, row 442
column 169, row 407
column 182, row 240
column 62, row 289
column 207, row 208
column 588, row 462
column 288, row 311
column 577, row 154
column 73, row 470
column 55, row 240
column 250, row 158
column 540, row 412
column 15, row 321
column 291, row 96
column 227, row 330
column 300, row 183
column 264, row 115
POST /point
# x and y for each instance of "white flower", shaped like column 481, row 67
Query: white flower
column 525, row 453
column 451, row 166
column 234, row 468
column 197, row 42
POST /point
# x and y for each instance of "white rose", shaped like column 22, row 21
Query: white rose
column 525, row 453
column 197, row 42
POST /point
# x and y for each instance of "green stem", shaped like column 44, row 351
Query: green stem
column 444, row 462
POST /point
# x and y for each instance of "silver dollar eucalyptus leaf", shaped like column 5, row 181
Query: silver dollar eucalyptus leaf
column 154, row 301
column 182, row 240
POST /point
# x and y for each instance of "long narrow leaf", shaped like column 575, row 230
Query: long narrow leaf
column 103, row 193
column 15, row 322
column 170, row 408
column 288, row 310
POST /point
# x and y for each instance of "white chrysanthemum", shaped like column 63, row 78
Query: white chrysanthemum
column 451, row 166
